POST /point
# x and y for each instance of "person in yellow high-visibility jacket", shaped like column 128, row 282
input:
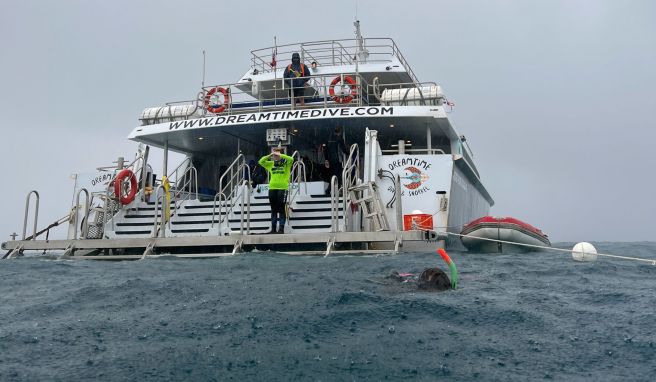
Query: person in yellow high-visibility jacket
column 279, row 166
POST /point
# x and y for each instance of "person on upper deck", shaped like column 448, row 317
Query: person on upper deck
column 279, row 167
column 296, row 76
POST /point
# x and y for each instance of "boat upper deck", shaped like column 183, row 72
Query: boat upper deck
column 333, row 54
column 356, row 83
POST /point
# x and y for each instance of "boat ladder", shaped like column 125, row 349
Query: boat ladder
column 366, row 195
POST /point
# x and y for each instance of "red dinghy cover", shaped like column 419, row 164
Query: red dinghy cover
column 501, row 220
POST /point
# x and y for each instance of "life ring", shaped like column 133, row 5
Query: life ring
column 343, row 98
column 216, row 108
column 125, row 198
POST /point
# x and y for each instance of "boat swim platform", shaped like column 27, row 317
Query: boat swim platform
column 306, row 244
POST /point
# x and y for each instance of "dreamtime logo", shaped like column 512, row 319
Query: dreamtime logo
column 415, row 170
column 415, row 176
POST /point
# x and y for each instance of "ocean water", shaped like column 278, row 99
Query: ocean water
column 271, row 317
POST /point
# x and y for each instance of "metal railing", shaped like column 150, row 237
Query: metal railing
column 243, row 100
column 159, row 230
column 334, row 204
column 234, row 184
column 27, row 210
column 297, row 176
column 85, row 218
column 184, row 186
column 137, row 167
column 330, row 52
column 374, row 89
column 350, row 175
column 316, row 94
column 416, row 151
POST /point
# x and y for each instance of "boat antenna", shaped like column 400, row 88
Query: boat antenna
column 362, row 53
column 203, row 82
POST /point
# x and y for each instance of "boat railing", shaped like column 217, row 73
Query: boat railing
column 27, row 210
column 298, row 178
column 334, row 204
column 240, row 99
column 317, row 94
column 416, row 151
column 350, row 175
column 85, row 218
column 330, row 53
column 160, row 220
column 425, row 99
column 232, row 184
column 183, row 181
column 56, row 223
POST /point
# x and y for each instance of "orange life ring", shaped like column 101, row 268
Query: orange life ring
column 216, row 108
column 343, row 98
column 125, row 198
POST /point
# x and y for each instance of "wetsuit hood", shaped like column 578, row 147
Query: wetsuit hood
column 296, row 58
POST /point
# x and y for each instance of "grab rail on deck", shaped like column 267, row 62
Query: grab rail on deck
column 27, row 210
column 159, row 231
column 334, row 204
column 185, row 184
column 236, row 177
column 350, row 175
column 244, row 194
column 416, row 151
column 85, row 218
column 297, row 176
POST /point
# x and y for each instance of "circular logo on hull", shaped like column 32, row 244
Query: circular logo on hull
column 415, row 176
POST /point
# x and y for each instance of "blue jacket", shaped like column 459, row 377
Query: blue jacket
column 296, row 73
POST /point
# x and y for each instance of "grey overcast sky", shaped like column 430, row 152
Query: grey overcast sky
column 556, row 97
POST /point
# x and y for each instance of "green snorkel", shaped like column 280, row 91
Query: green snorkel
column 452, row 267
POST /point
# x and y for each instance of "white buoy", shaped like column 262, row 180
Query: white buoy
column 416, row 212
column 584, row 252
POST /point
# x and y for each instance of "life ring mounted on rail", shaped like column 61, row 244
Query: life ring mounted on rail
column 125, row 195
column 217, row 108
column 345, row 98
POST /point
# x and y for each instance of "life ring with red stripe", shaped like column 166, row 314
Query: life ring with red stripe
column 348, row 80
column 217, row 108
column 125, row 196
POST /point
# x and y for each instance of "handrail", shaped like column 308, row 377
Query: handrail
column 428, row 151
column 36, row 213
column 334, row 204
column 85, row 218
column 243, row 194
column 189, row 180
column 162, row 226
column 351, row 168
column 236, row 175
column 144, row 173
column 375, row 90
column 330, row 52
column 270, row 99
column 399, row 206
column 297, row 176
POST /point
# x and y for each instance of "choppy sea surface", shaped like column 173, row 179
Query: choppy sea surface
column 272, row 317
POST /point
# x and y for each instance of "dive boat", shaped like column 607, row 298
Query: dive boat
column 498, row 234
column 402, row 177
